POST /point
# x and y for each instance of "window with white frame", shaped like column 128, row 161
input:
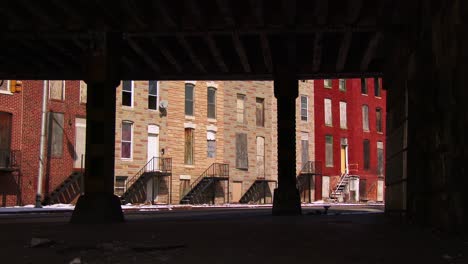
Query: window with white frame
column 343, row 119
column 342, row 85
column 327, row 83
column 328, row 111
column 5, row 86
column 127, row 137
column 153, row 95
column 365, row 118
column 83, row 92
column 127, row 93
column 57, row 90
column 211, row 100
column 211, row 144
column 304, row 108
column 189, row 99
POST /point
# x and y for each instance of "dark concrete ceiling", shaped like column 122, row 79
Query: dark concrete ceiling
column 206, row 39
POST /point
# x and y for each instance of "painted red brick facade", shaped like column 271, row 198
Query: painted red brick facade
column 354, row 132
column 25, row 107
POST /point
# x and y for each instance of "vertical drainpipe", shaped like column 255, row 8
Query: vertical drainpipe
column 41, row 150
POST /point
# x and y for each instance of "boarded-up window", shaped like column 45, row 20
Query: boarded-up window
column 127, row 93
column 184, row 187
column 378, row 119
column 55, row 135
column 126, row 152
column 377, row 87
column 342, row 85
column 304, row 108
column 304, row 148
column 329, row 151
column 366, row 152
column 189, row 146
column 365, row 118
column 83, row 92
column 363, row 86
column 240, row 108
column 57, row 90
column 328, row 112
column 189, row 99
column 259, row 111
column 211, row 102
column 260, row 157
column 380, row 159
column 211, row 144
column 242, row 160
column 343, row 118
column 153, row 95
column 5, row 86
column 327, row 83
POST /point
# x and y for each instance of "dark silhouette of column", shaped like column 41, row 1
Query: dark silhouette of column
column 99, row 204
column 286, row 197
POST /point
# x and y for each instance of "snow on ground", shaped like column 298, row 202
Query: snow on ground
column 156, row 207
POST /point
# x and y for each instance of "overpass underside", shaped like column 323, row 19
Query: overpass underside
column 417, row 46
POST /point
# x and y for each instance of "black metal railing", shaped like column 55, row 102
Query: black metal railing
column 156, row 164
column 215, row 170
column 10, row 159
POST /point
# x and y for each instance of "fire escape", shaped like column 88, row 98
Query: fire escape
column 305, row 179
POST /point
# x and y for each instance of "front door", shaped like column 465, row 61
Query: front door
column 80, row 142
column 153, row 151
column 236, row 191
column 343, row 159
column 325, row 186
column 5, row 139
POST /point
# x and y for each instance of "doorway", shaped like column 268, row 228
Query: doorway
column 80, row 143
column 236, row 191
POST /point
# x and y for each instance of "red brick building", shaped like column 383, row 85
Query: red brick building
column 350, row 137
column 20, row 132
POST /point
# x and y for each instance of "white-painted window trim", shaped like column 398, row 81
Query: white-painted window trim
column 131, row 139
column 158, row 96
column 307, row 108
column 132, row 92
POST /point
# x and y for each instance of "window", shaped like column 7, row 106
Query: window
column 5, row 138
column 57, row 90
column 363, row 86
column 83, row 92
column 260, row 111
column 304, row 108
column 365, row 118
column 189, row 146
column 5, row 87
column 327, row 83
column 342, row 85
column 329, row 151
column 377, row 87
column 55, row 135
column 261, row 157
column 127, row 93
column 120, row 182
column 328, row 111
column 242, row 160
column 126, row 150
column 153, row 95
column 211, row 102
column 304, row 148
column 240, row 108
column 343, row 119
column 380, row 159
column 366, row 151
column 184, row 187
column 189, row 89
column 211, row 144
column 378, row 119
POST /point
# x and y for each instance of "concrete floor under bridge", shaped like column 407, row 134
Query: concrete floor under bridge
column 418, row 47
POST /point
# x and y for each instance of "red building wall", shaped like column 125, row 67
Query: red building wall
column 26, row 107
column 354, row 132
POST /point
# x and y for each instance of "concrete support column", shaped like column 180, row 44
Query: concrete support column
column 287, row 200
column 99, row 204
